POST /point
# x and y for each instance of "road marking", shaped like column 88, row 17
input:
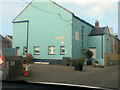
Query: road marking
column 70, row 85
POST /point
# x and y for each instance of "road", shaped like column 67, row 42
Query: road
column 100, row 77
column 0, row 74
column 0, row 79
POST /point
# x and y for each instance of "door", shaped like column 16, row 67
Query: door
column 18, row 51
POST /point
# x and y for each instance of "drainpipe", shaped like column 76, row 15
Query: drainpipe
column 102, row 46
column 27, row 35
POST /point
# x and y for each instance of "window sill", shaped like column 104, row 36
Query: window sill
column 51, row 54
column 62, row 54
column 36, row 54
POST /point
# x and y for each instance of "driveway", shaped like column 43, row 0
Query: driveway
column 101, row 77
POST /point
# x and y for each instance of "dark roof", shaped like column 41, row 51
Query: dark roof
column 61, row 6
column 9, row 36
column 84, row 21
column 3, row 39
column 97, row 31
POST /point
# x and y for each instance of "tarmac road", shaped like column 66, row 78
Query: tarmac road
column 0, row 74
column 100, row 77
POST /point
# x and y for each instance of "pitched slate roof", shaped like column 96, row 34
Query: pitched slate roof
column 97, row 31
column 61, row 7
column 9, row 36
column 83, row 21
column 3, row 39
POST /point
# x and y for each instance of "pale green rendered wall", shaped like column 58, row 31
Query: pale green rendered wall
column 98, row 42
column 44, row 27
column 76, row 44
column 102, row 46
column 9, row 52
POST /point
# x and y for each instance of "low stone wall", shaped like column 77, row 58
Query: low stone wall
column 14, row 66
column 64, row 62
column 51, row 61
column 110, row 58
column 9, row 51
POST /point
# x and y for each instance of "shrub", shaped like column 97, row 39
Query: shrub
column 29, row 58
column 96, row 61
column 79, row 61
column 89, row 54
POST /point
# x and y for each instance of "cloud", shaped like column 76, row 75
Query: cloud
column 16, row 0
column 95, row 6
column 10, row 8
column 89, row 10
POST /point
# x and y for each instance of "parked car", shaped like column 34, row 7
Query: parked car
column 3, row 68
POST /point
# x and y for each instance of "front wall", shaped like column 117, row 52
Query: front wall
column 102, row 46
column 20, row 36
column 9, row 52
column 98, row 43
column 76, row 44
column 44, row 27
column 107, row 44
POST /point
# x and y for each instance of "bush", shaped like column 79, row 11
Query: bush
column 29, row 58
column 79, row 61
column 96, row 61
column 89, row 54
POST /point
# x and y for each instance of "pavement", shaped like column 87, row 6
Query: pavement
column 106, row 77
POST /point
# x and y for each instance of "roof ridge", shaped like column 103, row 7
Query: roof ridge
column 61, row 7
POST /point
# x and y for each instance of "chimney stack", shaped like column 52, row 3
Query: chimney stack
column 97, row 24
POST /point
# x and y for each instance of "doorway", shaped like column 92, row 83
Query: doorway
column 18, row 51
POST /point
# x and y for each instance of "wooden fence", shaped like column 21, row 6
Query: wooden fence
column 110, row 57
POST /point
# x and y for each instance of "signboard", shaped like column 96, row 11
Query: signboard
column 60, row 37
column 12, row 63
column 62, row 42
column 93, row 50
column 76, row 35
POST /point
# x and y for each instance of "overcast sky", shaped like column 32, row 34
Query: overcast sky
column 105, row 11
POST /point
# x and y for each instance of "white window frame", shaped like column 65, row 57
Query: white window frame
column 24, row 50
column 51, row 50
column 93, row 50
column 62, row 48
column 36, row 50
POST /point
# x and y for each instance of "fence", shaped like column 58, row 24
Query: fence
column 14, row 66
column 110, row 57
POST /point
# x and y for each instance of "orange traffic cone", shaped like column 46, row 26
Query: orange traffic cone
column 26, row 71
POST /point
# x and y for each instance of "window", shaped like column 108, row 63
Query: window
column 82, row 35
column 18, row 51
column 24, row 50
column 93, row 50
column 62, row 50
column 36, row 50
column 51, row 50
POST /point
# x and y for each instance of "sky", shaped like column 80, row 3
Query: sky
column 105, row 11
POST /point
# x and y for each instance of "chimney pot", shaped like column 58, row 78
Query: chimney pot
column 96, row 24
